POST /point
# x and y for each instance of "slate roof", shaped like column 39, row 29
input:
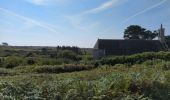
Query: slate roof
column 126, row 47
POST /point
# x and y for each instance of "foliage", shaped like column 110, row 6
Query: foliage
column 4, row 44
column 135, row 83
column 167, row 38
column 13, row 59
column 11, row 62
column 136, row 58
column 4, row 71
column 39, row 56
column 137, row 32
column 61, row 68
column 63, row 74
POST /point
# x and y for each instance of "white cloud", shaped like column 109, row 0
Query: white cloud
column 145, row 10
column 29, row 21
column 46, row 2
column 39, row 2
column 107, row 5
column 77, row 20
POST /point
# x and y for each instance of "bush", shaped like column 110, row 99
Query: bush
column 68, row 54
column 61, row 68
column 30, row 61
column 135, row 83
column 156, row 90
column 136, row 58
column 11, row 62
column 4, row 71
column 19, row 91
column 2, row 62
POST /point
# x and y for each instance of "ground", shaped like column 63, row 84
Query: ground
column 136, row 77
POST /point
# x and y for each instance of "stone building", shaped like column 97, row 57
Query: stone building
column 106, row 47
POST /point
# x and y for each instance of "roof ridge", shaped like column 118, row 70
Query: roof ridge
column 129, row 39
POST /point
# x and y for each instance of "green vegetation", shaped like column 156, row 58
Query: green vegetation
column 65, row 74
column 138, row 32
column 136, row 58
column 11, row 57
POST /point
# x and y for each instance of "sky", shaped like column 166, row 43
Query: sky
column 77, row 22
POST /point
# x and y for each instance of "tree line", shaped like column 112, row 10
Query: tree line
column 138, row 32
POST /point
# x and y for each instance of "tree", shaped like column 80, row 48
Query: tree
column 44, row 51
column 167, row 38
column 4, row 44
column 137, row 32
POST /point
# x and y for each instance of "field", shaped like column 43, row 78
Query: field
column 68, row 73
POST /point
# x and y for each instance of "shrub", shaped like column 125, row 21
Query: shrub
column 68, row 54
column 156, row 90
column 163, row 65
column 132, row 84
column 61, row 68
column 31, row 61
column 4, row 71
column 2, row 62
column 11, row 62
column 19, row 91
column 136, row 58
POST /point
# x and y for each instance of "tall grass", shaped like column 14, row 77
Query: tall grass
column 143, row 76
column 134, row 83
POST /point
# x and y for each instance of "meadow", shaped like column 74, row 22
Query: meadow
column 68, row 73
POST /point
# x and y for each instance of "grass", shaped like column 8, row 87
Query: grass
column 143, row 76
column 52, row 68
column 104, row 83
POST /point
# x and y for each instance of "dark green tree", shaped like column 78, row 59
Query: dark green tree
column 167, row 38
column 4, row 44
column 44, row 51
column 137, row 32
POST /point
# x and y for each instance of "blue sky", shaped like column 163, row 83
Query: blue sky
column 77, row 22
